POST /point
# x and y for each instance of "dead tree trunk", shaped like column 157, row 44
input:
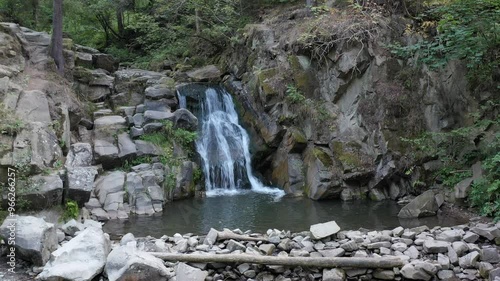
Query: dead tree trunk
column 56, row 49
column 324, row 262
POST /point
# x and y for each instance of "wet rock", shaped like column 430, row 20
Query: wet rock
column 82, row 258
column 422, row 206
column 322, row 230
column 35, row 238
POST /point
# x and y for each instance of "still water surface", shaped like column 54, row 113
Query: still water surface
column 259, row 212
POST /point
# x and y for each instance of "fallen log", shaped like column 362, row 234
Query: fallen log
column 323, row 262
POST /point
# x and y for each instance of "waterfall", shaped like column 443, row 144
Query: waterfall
column 223, row 144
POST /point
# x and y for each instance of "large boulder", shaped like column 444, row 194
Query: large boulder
column 81, row 259
column 128, row 263
column 35, row 238
column 106, row 153
column 105, row 61
column 423, row 205
column 42, row 191
column 209, row 73
column 80, row 183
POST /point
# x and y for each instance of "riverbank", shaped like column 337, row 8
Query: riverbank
column 468, row 252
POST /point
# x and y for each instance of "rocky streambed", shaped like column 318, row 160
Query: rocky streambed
column 82, row 251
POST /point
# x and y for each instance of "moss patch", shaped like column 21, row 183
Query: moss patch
column 323, row 157
column 345, row 156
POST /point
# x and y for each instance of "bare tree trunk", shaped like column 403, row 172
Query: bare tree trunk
column 323, row 262
column 119, row 20
column 197, row 20
column 56, row 49
column 34, row 6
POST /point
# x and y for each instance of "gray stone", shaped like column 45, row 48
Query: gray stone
column 487, row 231
column 484, row 269
column 186, row 120
column 445, row 274
column 322, row 230
column 108, row 184
column 462, row 188
column 335, row 274
column 267, row 249
column 209, row 73
column 495, row 274
column 422, row 206
column 444, row 261
column 490, row 255
column 384, row 274
column 79, row 155
column 43, row 191
column 377, row 245
column 460, row 248
column 339, row 252
column 401, row 247
column 145, row 148
column 412, row 252
column 80, row 183
column 126, row 146
column 138, row 119
column 126, row 263
column 189, row 273
column 233, row 245
column 35, row 238
column 470, row 237
column 350, row 246
column 129, row 237
column 151, row 116
column 105, row 61
column 469, row 261
column 33, row 106
column 398, row 231
column 157, row 92
column 136, row 132
column 418, row 270
column 106, row 153
column 82, row 258
column 72, row 227
column 434, row 247
column 450, row 235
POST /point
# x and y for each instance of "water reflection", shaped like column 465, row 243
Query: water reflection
column 260, row 212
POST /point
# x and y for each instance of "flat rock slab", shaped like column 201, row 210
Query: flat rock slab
column 322, row 230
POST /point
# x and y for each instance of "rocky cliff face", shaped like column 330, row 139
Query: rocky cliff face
column 327, row 104
column 63, row 134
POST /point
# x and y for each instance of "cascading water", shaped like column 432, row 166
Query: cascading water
column 223, row 145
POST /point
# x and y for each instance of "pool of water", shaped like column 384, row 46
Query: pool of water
column 259, row 212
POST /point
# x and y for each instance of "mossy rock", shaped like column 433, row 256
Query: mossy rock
column 322, row 156
column 82, row 74
column 68, row 44
column 304, row 79
column 264, row 80
column 343, row 152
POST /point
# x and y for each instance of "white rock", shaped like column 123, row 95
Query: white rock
column 80, row 259
column 322, row 230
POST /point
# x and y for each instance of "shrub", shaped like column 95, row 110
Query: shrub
column 71, row 211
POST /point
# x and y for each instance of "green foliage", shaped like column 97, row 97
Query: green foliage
column 294, row 95
column 459, row 149
column 485, row 193
column 71, row 211
column 467, row 30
